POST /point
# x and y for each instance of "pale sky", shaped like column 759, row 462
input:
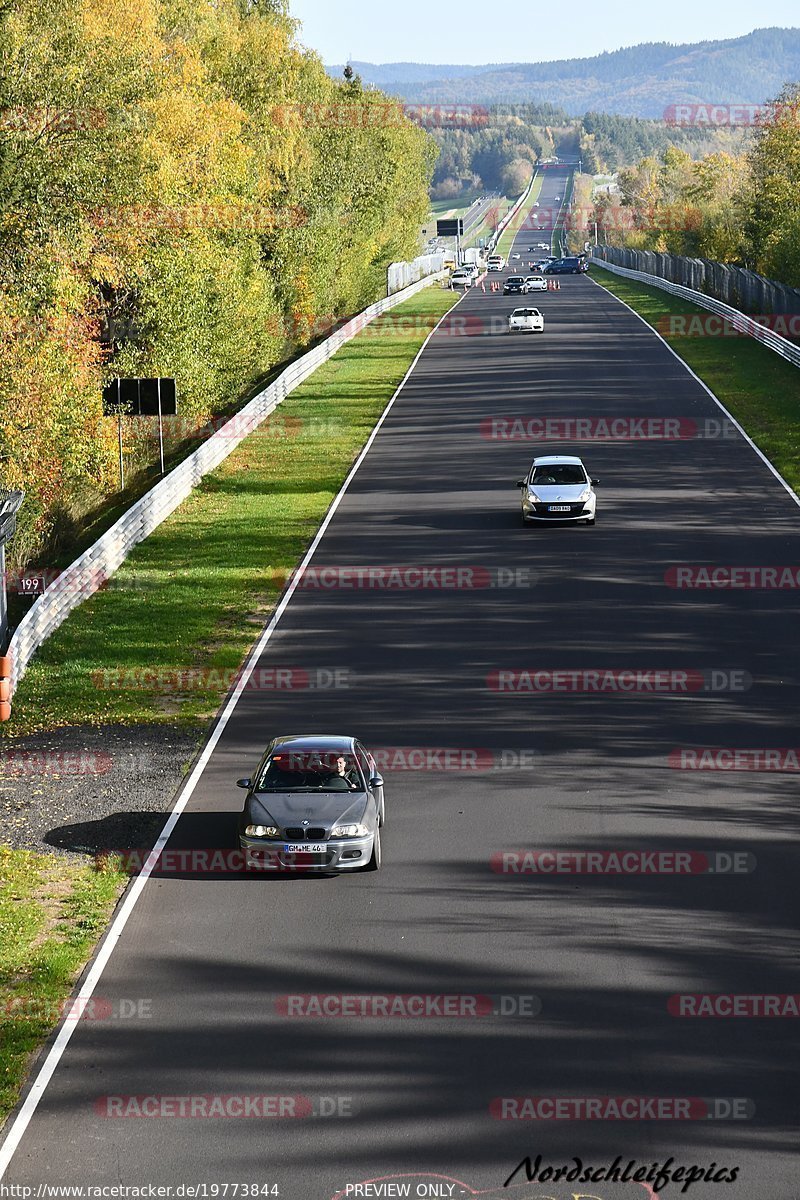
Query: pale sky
column 473, row 31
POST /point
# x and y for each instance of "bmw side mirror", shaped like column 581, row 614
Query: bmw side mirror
column 243, row 783
column 375, row 781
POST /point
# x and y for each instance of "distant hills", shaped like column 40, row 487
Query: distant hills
column 638, row 81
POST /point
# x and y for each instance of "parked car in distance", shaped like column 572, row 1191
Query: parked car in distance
column 496, row 262
column 566, row 266
column 462, row 278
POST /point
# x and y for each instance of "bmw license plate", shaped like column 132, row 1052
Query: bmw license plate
column 558, row 508
column 303, row 848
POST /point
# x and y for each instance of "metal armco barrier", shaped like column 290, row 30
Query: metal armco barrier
column 739, row 320
column 88, row 573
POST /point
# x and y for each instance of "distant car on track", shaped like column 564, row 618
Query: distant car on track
column 462, row 278
column 558, row 488
column 536, row 283
column 315, row 803
column 526, row 320
column 514, row 285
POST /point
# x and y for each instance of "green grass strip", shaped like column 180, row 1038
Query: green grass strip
column 51, row 914
column 194, row 596
column 758, row 387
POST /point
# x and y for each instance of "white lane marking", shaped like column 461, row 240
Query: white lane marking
column 703, row 385
column 45, row 1074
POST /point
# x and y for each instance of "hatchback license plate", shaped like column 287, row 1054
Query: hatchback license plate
column 558, row 508
column 304, row 848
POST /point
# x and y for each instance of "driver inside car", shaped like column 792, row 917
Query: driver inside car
column 344, row 778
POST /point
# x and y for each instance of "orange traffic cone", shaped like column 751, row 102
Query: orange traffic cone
column 5, row 687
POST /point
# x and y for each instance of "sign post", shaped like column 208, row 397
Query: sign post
column 452, row 228
column 157, row 397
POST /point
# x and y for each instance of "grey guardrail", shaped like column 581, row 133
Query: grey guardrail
column 739, row 320
column 87, row 574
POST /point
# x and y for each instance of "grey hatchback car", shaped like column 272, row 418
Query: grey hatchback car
column 315, row 803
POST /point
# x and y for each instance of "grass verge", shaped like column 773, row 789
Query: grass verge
column 51, row 914
column 759, row 388
column 163, row 641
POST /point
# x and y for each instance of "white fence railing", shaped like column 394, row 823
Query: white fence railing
column 739, row 320
column 403, row 274
column 88, row 573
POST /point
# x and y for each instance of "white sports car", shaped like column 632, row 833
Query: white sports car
column 528, row 320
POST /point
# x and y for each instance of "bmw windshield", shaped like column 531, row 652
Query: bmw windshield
column 319, row 771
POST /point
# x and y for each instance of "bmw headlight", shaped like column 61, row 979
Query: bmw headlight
column 260, row 831
column 348, row 831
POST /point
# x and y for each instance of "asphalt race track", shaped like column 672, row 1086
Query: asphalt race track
column 589, row 959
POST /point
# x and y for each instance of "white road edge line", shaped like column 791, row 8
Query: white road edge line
column 703, row 385
column 22, row 1120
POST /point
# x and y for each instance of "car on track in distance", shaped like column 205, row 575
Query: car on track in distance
column 526, row 320
column 535, row 283
column 558, row 488
column 496, row 262
column 514, row 285
column 462, row 278
column 314, row 803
